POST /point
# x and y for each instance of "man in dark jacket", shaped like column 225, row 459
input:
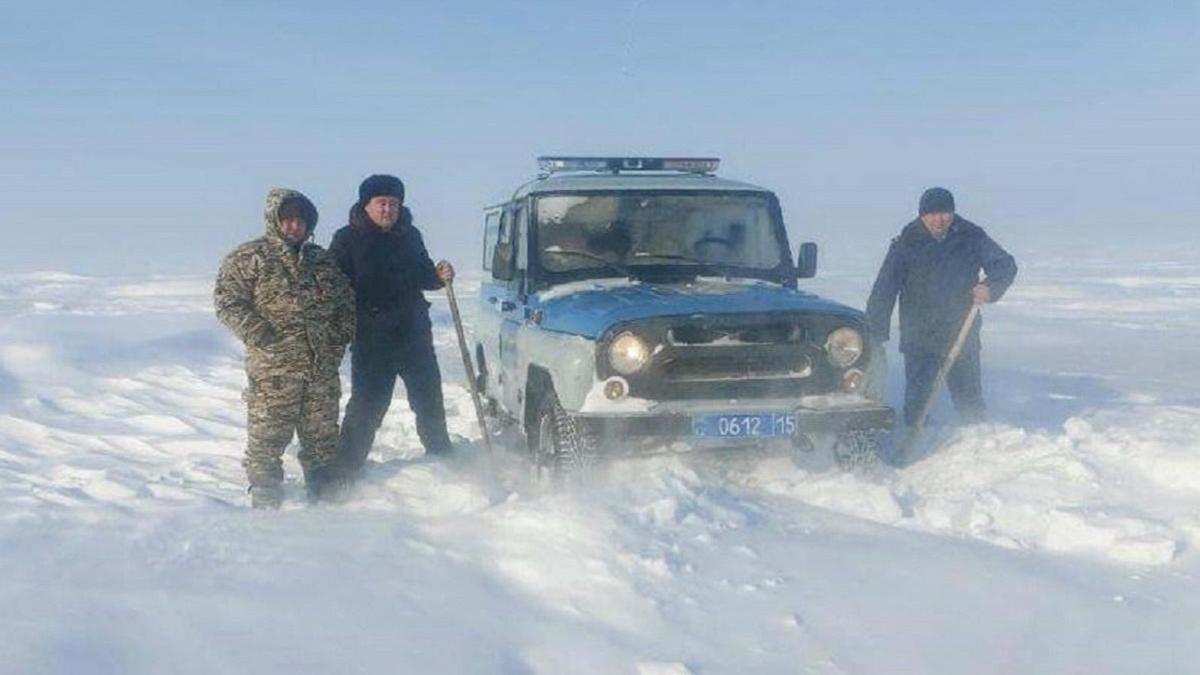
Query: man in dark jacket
column 934, row 266
column 384, row 256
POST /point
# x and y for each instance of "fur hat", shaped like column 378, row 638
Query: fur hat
column 380, row 185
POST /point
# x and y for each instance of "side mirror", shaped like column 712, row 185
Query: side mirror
column 503, row 262
column 806, row 261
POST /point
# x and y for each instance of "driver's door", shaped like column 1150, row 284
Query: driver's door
column 510, row 303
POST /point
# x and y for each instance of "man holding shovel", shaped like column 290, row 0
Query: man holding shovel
column 934, row 267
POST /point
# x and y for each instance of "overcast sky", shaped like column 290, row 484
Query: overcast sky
column 142, row 137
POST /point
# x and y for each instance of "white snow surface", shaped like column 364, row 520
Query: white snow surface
column 1059, row 537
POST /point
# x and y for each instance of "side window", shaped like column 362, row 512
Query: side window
column 521, row 230
column 491, row 232
column 502, row 257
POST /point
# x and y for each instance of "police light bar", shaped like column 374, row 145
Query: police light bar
column 549, row 165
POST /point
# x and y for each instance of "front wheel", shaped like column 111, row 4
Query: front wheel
column 561, row 446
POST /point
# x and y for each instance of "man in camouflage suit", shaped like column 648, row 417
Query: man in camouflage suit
column 293, row 308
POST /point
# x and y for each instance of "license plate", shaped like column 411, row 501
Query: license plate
column 744, row 425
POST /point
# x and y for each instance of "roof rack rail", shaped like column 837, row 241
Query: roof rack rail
column 554, row 164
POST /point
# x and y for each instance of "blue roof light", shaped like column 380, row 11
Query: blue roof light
column 549, row 165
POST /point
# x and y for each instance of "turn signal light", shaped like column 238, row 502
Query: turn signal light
column 615, row 389
column 853, row 381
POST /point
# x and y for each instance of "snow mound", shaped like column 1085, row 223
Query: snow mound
column 56, row 293
column 1123, row 487
column 1119, row 486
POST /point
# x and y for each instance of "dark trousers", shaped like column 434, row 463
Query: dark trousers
column 374, row 366
column 963, row 380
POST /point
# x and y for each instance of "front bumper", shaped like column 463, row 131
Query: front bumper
column 817, row 415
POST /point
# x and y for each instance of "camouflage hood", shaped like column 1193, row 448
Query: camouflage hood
column 275, row 198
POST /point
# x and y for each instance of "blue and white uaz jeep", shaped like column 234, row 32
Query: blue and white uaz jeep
column 647, row 297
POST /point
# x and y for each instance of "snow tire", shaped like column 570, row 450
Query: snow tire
column 563, row 450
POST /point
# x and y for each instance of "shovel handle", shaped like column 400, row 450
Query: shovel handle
column 467, row 366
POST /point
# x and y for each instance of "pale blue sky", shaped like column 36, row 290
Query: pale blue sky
column 143, row 136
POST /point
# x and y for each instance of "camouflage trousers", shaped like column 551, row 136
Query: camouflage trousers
column 280, row 407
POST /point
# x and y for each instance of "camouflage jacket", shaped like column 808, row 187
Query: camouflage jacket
column 292, row 307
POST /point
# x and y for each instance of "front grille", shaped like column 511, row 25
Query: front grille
column 736, row 363
column 734, row 356
column 730, row 336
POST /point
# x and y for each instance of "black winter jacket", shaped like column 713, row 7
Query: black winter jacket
column 934, row 280
column 388, row 270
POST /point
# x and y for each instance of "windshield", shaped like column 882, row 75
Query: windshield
column 620, row 232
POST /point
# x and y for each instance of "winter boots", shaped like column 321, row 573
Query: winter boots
column 322, row 484
column 325, row 484
column 266, row 496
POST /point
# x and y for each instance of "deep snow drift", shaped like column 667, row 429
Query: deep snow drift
column 1060, row 537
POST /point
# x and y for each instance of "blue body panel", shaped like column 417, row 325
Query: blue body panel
column 590, row 311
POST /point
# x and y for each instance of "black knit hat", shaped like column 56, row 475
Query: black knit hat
column 936, row 200
column 298, row 206
column 380, row 185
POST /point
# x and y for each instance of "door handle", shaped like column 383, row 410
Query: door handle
column 492, row 300
column 508, row 306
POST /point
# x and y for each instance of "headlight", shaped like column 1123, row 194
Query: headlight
column 628, row 353
column 845, row 347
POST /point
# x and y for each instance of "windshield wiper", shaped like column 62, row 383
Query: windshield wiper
column 673, row 256
column 619, row 269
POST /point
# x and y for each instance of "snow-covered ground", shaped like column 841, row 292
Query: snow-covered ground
column 1060, row 537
